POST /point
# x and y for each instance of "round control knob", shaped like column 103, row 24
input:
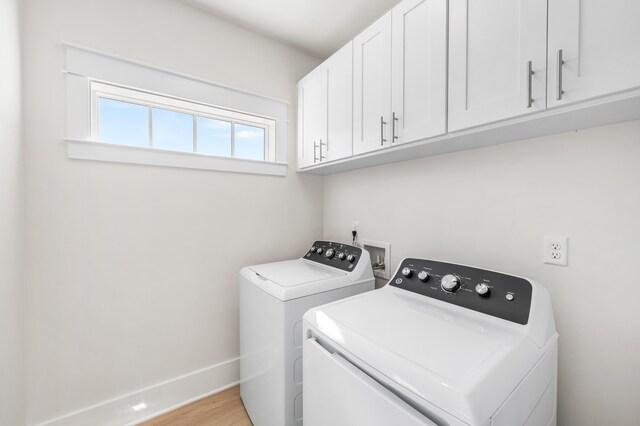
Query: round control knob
column 329, row 253
column 319, row 250
column 407, row 272
column 482, row 289
column 423, row 276
column 450, row 283
column 313, row 248
column 341, row 255
column 351, row 258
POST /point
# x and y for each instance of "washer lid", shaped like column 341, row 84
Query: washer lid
column 292, row 279
column 295, row 272
column 462, row 361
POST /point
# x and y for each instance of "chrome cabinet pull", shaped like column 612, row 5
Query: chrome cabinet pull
column 315, row 147
column 382, row 123
column 393, row 127
column 530, row 74
column 322, row 157
column 559, row 91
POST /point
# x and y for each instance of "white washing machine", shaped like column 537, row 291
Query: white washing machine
column 440, row 344
column 273, row 298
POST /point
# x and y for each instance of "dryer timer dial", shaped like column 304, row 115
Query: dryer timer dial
column 450, row 283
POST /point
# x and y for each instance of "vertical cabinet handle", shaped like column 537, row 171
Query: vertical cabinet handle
column 529, row 83
column 394, row 120
column 315, row 147
column 322, row 157
column 382, row 123
column 559, row 91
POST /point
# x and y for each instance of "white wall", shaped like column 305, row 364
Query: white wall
column 132, row 276
column 491, row 208
column 11, row 222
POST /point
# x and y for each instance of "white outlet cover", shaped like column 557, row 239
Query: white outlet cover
column 556, row 250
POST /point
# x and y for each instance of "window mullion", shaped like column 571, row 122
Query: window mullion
column 150, row 127
column 195, row 133
column 233, row 139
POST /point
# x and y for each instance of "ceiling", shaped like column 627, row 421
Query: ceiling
column 319, row 27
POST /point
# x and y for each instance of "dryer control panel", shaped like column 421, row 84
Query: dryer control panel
column 492, row 293
column 337, row 255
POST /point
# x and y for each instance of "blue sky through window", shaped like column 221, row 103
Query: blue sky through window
column 172, row 130
column 123, row 123
column 127, row 123
column 214, row 137
column 249, row 142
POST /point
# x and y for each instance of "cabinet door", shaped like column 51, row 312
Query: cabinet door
column 491, row 45
column 339, row 80
column 311, row 117
column 600, row 46
column 419, row 70
column 372, row 86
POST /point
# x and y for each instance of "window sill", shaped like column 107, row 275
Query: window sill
column 100, row 151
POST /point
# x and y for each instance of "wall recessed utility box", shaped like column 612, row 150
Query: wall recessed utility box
column 380, row 257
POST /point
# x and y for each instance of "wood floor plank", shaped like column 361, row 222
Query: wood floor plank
column 222, row 409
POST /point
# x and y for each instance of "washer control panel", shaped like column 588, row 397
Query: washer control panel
column 492, row 293
column 337, row 255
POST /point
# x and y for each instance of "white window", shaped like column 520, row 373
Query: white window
column 123, row 111
column 138, row 118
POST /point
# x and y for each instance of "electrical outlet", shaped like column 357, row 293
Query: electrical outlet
column 556, row 250
column 354, row 232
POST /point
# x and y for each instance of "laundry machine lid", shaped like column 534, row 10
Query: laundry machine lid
column 296, row 272
column 296, row 278
column 450, row 357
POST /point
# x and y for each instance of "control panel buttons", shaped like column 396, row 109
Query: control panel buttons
column 341, row 255
column 450, row 283
column 329, row 253
column 319, row 250
column 487, row 292
column 423, row 276
column 313, row 248
column 351, row 258
column 482, row 289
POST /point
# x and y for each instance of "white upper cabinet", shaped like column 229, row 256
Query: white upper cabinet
column 372, row 86
column 497, row 60
column 599, row 45
column 339, row 84
column 325, row 103
column 434, row 76
column 419, row 70
column 312, row 101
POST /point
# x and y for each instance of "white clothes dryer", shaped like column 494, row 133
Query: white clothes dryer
column 440, row 344
column 273, row 298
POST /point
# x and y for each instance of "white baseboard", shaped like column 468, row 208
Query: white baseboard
column 144, row 404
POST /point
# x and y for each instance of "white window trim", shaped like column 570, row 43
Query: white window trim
column 85, row 66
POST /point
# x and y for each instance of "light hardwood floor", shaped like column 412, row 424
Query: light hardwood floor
column 222, row 409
